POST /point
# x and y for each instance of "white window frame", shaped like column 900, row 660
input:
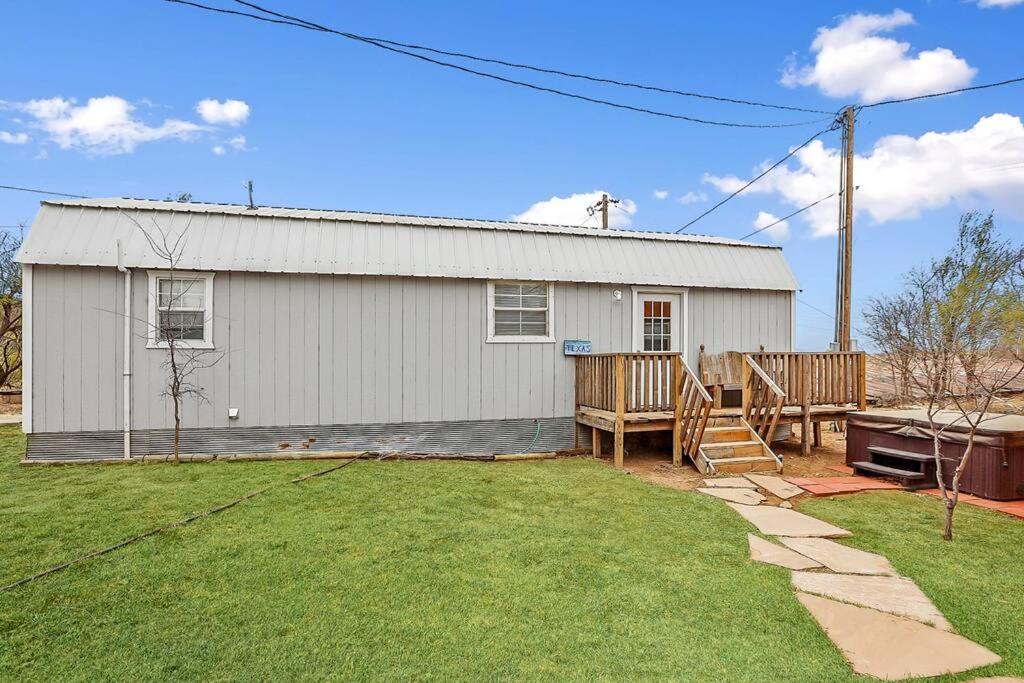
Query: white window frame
column 153, row 342
column 684, row 320
column 549, row 338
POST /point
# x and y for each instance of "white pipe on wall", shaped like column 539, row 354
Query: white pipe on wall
column 126, row 373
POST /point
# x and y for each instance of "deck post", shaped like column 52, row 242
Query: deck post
column 620, row 408
column 862, row 380
column 596, row 442
column 747, row 394
column 805, row 405
column 677, row 412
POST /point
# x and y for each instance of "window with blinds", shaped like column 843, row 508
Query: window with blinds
column 520, row 311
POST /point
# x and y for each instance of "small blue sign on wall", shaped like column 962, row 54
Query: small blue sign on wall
column 577, row 347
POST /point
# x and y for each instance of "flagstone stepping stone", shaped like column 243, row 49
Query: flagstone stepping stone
column 775, row 521
column 745, row 496
column 890, row 647
column 777, row 486
column 893, row 594
column 840, row 558
column 730, row 483
column 769, row 553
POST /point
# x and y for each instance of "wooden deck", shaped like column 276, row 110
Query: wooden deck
column 624, row 393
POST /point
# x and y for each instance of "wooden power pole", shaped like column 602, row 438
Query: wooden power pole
column 844, row 335
column 602, row 206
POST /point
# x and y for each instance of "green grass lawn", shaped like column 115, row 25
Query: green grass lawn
column 449, row 570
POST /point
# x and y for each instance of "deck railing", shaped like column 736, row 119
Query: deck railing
column 693, row 407
column 646, row 383
column 814, row 379
column 762, row 399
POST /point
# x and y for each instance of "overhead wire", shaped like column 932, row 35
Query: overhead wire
column 762, row 174
column 304, row 24
column 548, row 70
column 37, row 191
column 786, row 218
column 984, row 86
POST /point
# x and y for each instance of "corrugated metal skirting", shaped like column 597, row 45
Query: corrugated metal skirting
column 483, row 436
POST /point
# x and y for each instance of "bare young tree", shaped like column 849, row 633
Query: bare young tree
column 957, row 333
column 173, row 328
column 10, row 311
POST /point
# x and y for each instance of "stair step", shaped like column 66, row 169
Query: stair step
column 905, row 455
column 725, row 434
column 748, row 464
column 887, row 471
column 733, row 449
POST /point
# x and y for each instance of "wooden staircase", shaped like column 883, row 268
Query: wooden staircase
column 734, row 446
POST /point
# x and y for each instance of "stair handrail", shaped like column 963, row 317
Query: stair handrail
column 762, row 399
column 692, row 410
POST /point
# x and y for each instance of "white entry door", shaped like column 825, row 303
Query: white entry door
column 658, row 323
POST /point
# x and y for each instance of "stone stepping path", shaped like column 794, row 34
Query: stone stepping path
column 890, row 647
column 840, row 558
column 774, row 521
column 777, row 486
column 892, row 594
column 883, row 624
column 769, row 553
column 730, row 482
column 745, row 496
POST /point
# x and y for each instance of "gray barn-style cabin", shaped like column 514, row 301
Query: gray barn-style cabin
column 345, row 331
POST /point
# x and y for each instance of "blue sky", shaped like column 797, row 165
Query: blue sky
column 336, row 124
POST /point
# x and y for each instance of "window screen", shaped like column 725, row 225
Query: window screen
column 521, row 309
column 657, row 326
column 181, row 308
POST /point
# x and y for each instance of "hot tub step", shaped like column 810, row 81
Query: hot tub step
column 904, row 455
column 908, row 478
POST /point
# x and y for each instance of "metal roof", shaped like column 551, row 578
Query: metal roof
column 227, row 237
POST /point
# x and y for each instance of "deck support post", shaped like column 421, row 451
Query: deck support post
column 805, row 406
column 677, row 411
column 596, row 441
column 620, row 409
column 817, row 434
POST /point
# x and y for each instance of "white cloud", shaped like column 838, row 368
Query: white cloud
column 998, row 3
column 692, row 197
column 104, row 125
column 13, row 138
column 229, row 112
column 778, row 232
column 238, row 142
column 572, row 210
column 218, row 150
column 851, row 59
column 903, row 176
column 661, row 194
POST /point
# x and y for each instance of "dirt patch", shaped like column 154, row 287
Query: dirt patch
column 650, row 457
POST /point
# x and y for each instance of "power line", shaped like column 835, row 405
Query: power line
column 30, row 189
column 552, row 71
column 786, row 218
column 1009, row 81
column 302, row 23
column 813, row 307
column 762, row 174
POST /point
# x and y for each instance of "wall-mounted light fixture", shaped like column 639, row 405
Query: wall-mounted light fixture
column 232, row 413
column 617, row 294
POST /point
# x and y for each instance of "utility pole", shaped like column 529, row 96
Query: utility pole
column 248, row 186
column 844, row 264
column 602, row 206
column 848, row 233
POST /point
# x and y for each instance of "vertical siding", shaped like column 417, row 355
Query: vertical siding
column 737, row 320
column 308, row 349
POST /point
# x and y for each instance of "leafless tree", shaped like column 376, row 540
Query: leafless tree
column 10, row 311
column 957, row 332
column 183, row 363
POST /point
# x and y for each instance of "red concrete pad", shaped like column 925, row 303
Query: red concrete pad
column 817, row 490
column 840, row 468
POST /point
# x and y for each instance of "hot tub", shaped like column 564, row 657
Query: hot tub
column 996, row 467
